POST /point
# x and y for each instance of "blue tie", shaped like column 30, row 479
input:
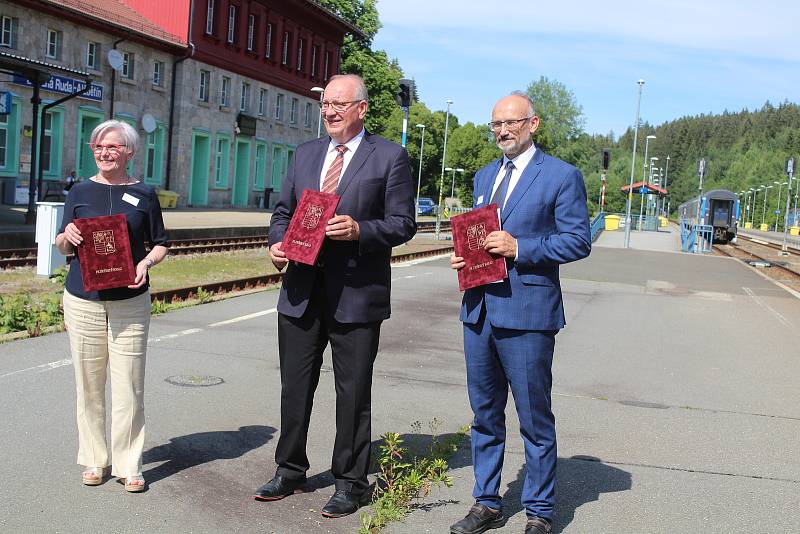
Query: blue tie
column 499, row 196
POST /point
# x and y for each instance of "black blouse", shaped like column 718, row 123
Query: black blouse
column 139, row 203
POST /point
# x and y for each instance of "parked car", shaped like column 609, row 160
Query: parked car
column 426, row 206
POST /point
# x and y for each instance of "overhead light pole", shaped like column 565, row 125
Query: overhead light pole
column 778, row 203
column 419, row 178
column 441, row 179
column 753, row 207
column 764, row 210
column 790, row 168
column 453, row 182
column 664, row 201
column 633, row 169
column 321, row 92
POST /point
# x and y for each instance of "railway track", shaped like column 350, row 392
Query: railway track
column 26, row 257
column 766, row 257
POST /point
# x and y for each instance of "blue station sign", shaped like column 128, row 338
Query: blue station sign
column 5, row 102
column 66, row 86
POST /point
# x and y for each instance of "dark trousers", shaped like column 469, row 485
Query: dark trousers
column 301, row 342
column 496, row 359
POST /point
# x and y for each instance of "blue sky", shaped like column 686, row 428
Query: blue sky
column 698, row 56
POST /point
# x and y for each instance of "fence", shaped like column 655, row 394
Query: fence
column 598, row 224
column 696, row 237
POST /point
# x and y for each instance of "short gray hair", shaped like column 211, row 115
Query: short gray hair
column 128, row 133
column 526, row 96
column 361, row 87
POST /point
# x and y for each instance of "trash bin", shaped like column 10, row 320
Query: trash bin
column 167, row 199
column 612, row 222
column 763, row 227
column 663, row 221
column 748, row 225
column 794, row 230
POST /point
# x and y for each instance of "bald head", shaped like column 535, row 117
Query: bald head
column 514, row 122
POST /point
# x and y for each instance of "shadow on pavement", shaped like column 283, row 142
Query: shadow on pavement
column 580, row 480
column 191, row 450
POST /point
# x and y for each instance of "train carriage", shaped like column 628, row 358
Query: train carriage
column 718, row 208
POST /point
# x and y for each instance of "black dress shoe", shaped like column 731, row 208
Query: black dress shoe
column 343, row 503
column 278, row 488
column 479, row 519
column 538, row 525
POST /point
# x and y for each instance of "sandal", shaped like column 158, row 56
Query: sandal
column 134, row 484
column 93, row 476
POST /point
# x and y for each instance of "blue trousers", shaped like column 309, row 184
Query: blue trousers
column 497, row 358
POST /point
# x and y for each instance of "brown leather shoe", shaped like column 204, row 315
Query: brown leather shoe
column 538, row 525
column 479, row 519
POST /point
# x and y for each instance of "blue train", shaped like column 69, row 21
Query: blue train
column 718, row 208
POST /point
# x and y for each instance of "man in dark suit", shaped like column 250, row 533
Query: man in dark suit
column 345, row 297
column 510, row 327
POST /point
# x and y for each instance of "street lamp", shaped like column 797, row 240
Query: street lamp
column 640, row 83
column 753, row 190
column 664, row 202
column 441, row 179
column 778, row 209
column 321, row 92
column 764, row 210
column 453, row 183
column 644, row 163
column 649, row 179
column 421, row 148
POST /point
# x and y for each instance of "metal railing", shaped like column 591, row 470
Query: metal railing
column 696, row 238
column 598, row 225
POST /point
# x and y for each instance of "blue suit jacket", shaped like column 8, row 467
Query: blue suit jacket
column 376, row 190
column 547, row 214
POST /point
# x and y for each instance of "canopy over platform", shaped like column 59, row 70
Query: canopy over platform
column 643, row 188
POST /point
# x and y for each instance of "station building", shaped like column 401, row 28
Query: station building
column 219, row 90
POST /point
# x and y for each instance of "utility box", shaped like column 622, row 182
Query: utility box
column 48, row 222
column 612, row 222
column 763, row 227
column 167, row 199
column 794, row 230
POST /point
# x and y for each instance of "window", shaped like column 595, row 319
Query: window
column 47, row 141
column 232, row 24
column 210, row 17
column 3, row 141
column 53, row 44
column 153, row 155
column 205, row 79
column 307, row 118
column 8, row 32
column 314, row 51
column 92, row 53
column 277, row 167
column 127, row 65
column 293, row 111
column 279, row 108
column 285, row 54
column 158, row 68
column 268, row 42
column 251, row 30
column 300, row 43
column 221, row 161
column 244, row 102
column 327, row 64
column 225, row 92
column 262, row 101
column 260, row 167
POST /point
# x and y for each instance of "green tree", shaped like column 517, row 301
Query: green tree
column 561, row 115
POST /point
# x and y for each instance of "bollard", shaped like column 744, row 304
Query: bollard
column 48, row 222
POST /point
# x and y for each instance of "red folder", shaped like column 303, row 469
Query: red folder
column 469, row 232
column 105, row 254
column 306, row 232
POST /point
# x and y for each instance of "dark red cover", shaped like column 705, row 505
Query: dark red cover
column 105, row 254
column 306, row 232
column 469, row 232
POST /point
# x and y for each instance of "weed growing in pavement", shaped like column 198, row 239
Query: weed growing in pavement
column 203, row 296
column 403, row 477
column 20, row 312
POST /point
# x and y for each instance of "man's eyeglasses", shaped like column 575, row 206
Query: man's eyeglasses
column 337, row 106
column 112, row 149
column 511, row 124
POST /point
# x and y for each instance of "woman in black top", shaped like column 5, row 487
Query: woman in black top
column 108, row 328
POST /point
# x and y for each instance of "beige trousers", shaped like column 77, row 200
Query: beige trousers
column 110, row 334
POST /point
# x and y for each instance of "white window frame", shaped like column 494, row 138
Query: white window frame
column 225, row 92
column 205, row 85
column 327, row 64
column 128, row 65
column 279, row 107
column 158, row 70
column 7, row 32
column 251, row 31
column 268, row 42
column 300, row 54
column 293, row 110
column 307, row 118
column 210, row 17
column 231, row 24
column 314, row 49
column 53, row 48
column 92, row 53
column 285, row 55
column 263, row 96
column 244, row 100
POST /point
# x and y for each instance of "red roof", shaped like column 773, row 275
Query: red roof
column 165, row 21
column 651, row 189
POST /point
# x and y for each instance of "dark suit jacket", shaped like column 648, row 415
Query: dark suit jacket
column 547, row 214
column 377, row 191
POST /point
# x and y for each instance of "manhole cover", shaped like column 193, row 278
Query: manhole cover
column 757, row 263
column 194, row 380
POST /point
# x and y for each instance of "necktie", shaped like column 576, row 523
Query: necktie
column 331, row 181
column 499, row 196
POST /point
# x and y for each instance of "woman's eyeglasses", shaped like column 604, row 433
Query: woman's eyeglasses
column 112, row 149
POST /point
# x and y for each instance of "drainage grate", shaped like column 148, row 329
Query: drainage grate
column 759, row 263
column 197, row 381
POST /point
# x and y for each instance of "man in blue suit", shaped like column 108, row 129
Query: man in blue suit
column 344, row 298
column 510, row 327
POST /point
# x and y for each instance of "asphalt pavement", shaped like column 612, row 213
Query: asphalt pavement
column 675, row 392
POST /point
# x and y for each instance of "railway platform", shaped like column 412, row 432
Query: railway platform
column 675, row 393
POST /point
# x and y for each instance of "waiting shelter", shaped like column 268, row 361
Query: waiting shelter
column 650, row 206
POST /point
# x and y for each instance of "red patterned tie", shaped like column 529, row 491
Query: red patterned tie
column 331, row 180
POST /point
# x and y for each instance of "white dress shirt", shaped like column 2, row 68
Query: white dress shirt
column 352, row 146
column 520, row 162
